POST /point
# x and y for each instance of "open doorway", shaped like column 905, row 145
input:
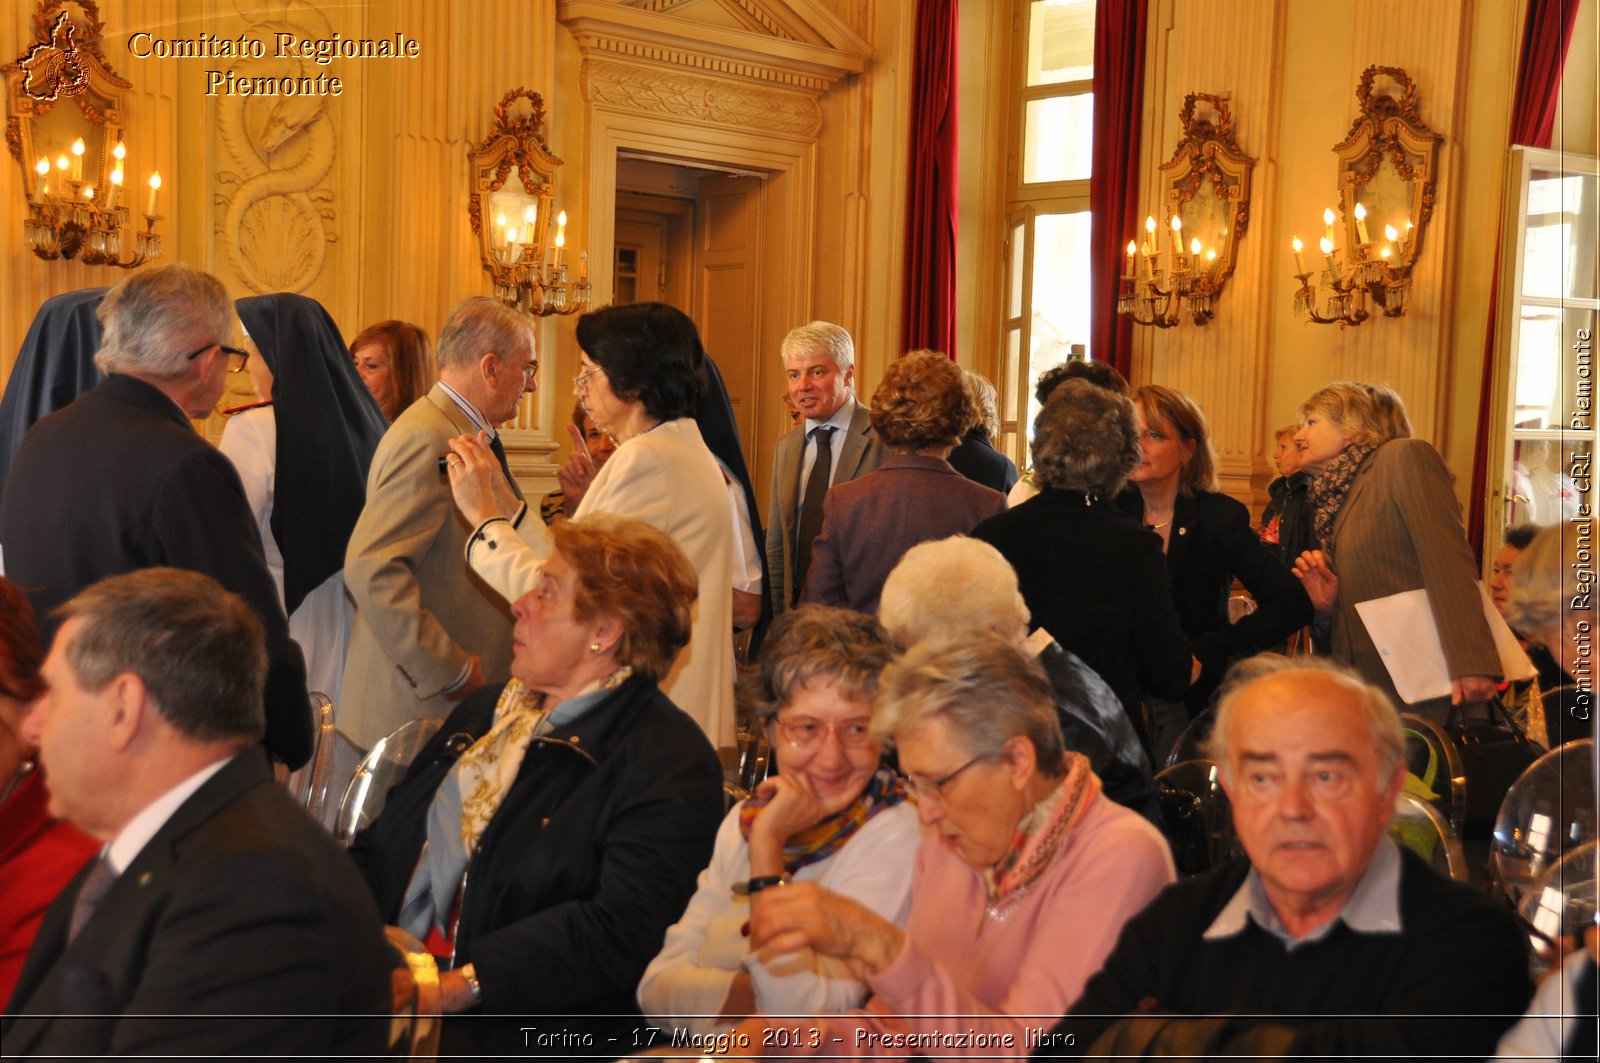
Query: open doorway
column 690, row 234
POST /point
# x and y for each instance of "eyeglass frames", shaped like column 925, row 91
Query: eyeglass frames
column 805, row 733
column 933, row 789
column 236, row 357
column 580, row 383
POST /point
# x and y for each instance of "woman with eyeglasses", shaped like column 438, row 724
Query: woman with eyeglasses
column 302, row 453
column 1024, row 878
column 640, row 382
column 543, row 841
column 833, row 816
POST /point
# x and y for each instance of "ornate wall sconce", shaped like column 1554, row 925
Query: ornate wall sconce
column 1387, row 170
column 64, row 127
column 513, row 198
column 1207, row 193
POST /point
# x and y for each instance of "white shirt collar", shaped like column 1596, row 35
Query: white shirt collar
column 137, row 832
column 1373, row 907
column 840, row 421
column 477, row 419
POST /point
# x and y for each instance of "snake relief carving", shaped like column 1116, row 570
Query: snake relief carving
column 276, row 222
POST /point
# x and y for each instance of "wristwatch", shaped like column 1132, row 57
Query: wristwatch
column 470, row 974
column 759, row 883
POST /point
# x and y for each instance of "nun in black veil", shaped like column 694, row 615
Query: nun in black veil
column 55, row 366
column 751, row 609
column 303, row 453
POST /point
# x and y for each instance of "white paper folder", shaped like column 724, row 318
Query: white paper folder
column 1403, row 630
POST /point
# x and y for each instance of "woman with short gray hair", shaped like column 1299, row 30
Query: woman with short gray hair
column 1089, row 574
column 1024, row 878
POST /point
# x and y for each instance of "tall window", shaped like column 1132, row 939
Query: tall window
column 1552, row 406
column 1047, row 254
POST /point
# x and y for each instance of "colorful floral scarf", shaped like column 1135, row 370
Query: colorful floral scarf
column 825, row 837
column 1041, row 831
column 1329, row 489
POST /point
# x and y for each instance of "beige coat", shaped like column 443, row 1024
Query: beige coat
column 420, row 611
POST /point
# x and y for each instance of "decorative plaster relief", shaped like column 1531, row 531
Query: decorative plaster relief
column 753, row 14
column 702, row 99
column 277, row 219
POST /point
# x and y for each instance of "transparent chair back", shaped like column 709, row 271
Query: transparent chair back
column 1197, row 816
column 1433, row 757
column 1548, row 812
column 1420, row 827
column 383, row 766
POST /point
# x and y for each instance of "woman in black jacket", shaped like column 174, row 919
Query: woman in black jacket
column 1209, row 543
column 548, row 836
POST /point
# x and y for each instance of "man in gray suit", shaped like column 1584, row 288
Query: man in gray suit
column 428, row 632
column 819, row 364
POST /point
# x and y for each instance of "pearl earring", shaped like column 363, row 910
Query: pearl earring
column 594, row 647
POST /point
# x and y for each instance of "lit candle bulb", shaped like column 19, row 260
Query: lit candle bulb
column 119, row 152
column 155, row 192
column 1299, row 266
column 1361, row 225
column 1405, row 241
column 1175, row 236
column 77, row 159
column 1327, row 250
column 1194, row 246
column 88, row 192
column 583, row 266
column 1211, row 255
column 1133, row 249
column 116, row 186
column 61, row 166
column 1384, row 254
column 1391, row 234
column 1149, row 237
column 41, row 187
column 528, row 217
column 1328, row 218
column 561, row 241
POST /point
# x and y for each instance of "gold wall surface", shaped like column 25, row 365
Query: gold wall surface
column 359, row 200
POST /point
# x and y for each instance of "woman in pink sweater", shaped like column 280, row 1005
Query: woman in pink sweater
column 1025, row 876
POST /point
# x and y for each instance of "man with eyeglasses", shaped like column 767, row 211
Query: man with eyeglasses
column 119, row 480
column 428, row 632
column 1326, row 939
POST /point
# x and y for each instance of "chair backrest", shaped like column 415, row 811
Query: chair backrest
column 1197, row 817
column 1435, row 759
column 755, row 758
column 309, row 784
column 1240, row 605
column 1546, row 813
column 416, row 1024
column 1421, row 827
column 383, row 766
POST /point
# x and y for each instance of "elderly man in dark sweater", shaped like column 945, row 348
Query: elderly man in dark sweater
column 1329, row 940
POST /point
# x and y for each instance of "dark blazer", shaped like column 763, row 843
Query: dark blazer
column 590, row 858
column 1096, row 580
column 977, row 460
column 119, row 481
column 1400, row 529
column 868, row 524
column 1210, row 543
column 240, row 907
column 862, row 454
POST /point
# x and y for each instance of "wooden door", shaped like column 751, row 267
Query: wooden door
column 727, row 293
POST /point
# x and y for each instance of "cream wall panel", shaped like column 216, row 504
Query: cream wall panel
column 1232, row 47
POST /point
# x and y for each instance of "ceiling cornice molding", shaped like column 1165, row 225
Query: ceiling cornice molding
column 664, row 38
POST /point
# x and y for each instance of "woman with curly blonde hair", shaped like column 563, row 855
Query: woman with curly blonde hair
column 921, row 409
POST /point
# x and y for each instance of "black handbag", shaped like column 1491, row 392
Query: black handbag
column 1494, row 753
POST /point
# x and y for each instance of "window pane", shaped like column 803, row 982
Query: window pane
column 1058, row 138
column 1012, row 368
column 1060, row 320
column 1555, row 369
column 1014, row 302
column 1549, row 479
column 1060, row 41
column 1559, row 249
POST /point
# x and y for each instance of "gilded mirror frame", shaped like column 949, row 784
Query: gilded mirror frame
column 68, row 50
column 1389, row 129
column 517, row 142
column 1209, row 153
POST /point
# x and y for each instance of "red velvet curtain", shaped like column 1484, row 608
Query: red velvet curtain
column 1119, row 32
column 928, row 308
column 1545, row 37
